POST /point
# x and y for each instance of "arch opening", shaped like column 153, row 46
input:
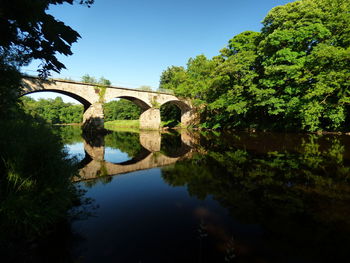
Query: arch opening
column 56, row 107
column 123, row 112
column 76, row 97
column 171, row 113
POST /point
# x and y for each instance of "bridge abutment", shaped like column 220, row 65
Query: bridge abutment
column 150, row 119
column 189, row 117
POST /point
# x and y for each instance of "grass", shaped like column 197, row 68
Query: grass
column 124, row 125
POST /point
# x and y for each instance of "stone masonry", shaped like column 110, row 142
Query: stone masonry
column 92, row 97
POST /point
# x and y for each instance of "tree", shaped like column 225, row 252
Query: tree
column 28, row 32
column 293, row 75
column 145, row 88
column 36, row 189
column 235, row 87
column 92, row 80
column 88, row 79
column 172, row 77
column 304, row 50
column 53, row 110
column 121, row 110
column 104, row 82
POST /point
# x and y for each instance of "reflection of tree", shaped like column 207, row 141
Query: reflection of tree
column 300, row 197
column 124, row 141
column 68, row 134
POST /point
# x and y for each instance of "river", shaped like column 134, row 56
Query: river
column 212, row 197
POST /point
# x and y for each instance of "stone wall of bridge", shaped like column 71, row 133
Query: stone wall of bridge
column 92, row 97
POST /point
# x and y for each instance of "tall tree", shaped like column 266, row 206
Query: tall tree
column 28, row 32
column 304, row 50
column 293, row 75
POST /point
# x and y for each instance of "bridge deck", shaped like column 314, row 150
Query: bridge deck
column 170, row 92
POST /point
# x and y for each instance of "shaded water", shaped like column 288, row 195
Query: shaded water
column 235, row 197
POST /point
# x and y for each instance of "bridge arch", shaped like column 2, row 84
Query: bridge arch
column 142, row 104
column 183, row 106
column 78, row 98
column 84, row 93
column 187, row 116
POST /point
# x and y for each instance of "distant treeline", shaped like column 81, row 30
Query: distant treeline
column 54, row 111
column 292, row 75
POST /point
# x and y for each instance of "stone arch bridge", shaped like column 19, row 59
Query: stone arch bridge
column 92, row 97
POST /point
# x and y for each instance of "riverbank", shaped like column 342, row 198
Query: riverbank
column 123, row 125
column 134, row 126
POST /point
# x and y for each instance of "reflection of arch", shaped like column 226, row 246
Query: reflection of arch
column 139, row 157
column 173, row 145
column 95, row 166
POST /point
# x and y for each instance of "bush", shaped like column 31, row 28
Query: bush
column 36, row 191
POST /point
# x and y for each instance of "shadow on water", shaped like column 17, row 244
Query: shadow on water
column 295, row 187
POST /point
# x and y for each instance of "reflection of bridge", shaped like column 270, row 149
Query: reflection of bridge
column 95, row 166
column 92, row 97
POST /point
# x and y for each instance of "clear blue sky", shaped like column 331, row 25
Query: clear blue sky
column 131, row 42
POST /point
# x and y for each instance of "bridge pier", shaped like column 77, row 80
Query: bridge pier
column 93, row 116
column 150, row 119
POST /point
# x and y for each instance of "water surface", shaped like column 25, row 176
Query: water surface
column 234, row 197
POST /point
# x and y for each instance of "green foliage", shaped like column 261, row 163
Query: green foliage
column 88, row 79
column 121, row 110
column 35, row 184
column 10, row 80
column 112, row 125
column 36, row 191
column 146, row 88
column 170, row 115
column 293, row 75
column 54, row 111
column 28, row 32
column 69, row 134
column 172, row 77
column 127, row 142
